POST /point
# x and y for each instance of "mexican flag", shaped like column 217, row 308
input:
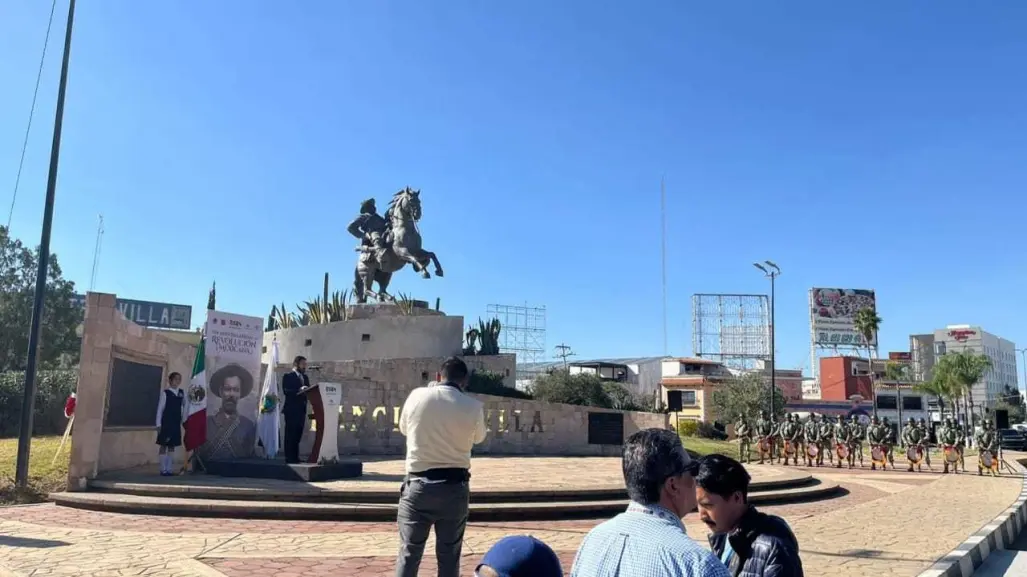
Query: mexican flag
column 196, row 410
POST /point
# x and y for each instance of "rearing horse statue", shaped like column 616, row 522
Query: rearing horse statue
column 384, row 252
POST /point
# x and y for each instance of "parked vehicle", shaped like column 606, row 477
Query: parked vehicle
column 1012, row 440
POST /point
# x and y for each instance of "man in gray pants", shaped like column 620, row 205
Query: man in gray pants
column 441, row 425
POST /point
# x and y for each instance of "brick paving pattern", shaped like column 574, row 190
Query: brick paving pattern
column 878, row 528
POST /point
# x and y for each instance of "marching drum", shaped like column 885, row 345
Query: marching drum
column 988, row 461
column 789, row 449
column 764, row 446
column 951, row 454
column 914, row 454
column 877, row 454
column 812, row 450
column 842, row 450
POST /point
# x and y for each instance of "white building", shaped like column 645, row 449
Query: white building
column 640, row 375
column 810, row 389
column 926, row 349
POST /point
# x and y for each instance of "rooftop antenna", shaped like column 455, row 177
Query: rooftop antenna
column 663, row 258
column 96, row 253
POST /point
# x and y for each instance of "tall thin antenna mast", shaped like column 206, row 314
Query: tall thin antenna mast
column 663, row 258
column 96, row 253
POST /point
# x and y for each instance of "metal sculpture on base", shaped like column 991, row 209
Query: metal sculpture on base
column 388, row 244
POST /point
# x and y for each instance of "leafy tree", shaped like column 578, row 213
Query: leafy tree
column 212, row 296
column 1012, row 400
column 867, row 324
column 746, row 395
column 58, row 344
column 579, row 389
column 490, row 383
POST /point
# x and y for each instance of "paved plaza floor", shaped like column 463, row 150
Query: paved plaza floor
column 889, row 523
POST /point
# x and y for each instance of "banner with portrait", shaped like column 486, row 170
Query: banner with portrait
column 233, row 371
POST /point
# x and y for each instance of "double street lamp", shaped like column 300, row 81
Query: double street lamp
column 771, row 271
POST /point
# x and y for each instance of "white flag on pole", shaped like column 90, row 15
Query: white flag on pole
column 270, row 408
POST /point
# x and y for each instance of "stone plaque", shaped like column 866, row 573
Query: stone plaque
column 605, row 428
column 134, row 391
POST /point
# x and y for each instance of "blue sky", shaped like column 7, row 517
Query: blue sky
column 873, row 145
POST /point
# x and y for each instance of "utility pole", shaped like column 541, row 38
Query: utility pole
column 96, row 254
column 21, row 474
column 564, row 351
column 663, row 259
column 771, row 271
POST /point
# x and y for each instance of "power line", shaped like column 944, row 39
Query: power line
column 32, row 112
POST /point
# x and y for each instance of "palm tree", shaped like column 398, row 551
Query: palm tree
column 966, row 369
column 941, row 388
column 898, row 373
column 867, row 324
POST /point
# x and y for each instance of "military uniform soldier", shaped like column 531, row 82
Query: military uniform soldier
column 912, row 437
column 826, row 442
column 925, row 434
column 790, row 434
column 744, row 434
column 856, row 436
column 842, row 436
column 948, row 435
column 764, row 436
column 889, row 441
column 961, row 444
column 811, row 438
column 987, row 442
column 876, row 436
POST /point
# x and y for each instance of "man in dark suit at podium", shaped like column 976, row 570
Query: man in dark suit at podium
column 294, row 386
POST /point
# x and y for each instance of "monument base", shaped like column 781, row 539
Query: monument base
column 279, row 469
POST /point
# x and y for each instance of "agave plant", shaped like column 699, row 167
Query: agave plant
column 488, row 332
column 280, row 318
column 405, row 303
column 336, row 307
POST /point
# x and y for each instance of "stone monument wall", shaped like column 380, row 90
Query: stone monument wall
column 373, row 332
column 369, row 422
column 100, row 439
column 413, row 371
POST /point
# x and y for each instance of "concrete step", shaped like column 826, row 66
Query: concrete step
column 363, row 511
column 218, row 488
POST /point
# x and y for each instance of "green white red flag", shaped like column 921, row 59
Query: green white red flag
column 196, row 409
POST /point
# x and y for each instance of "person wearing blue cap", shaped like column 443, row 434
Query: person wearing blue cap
column 519, row 556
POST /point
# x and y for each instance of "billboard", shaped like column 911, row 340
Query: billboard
column 833, row 315
column 151, row 314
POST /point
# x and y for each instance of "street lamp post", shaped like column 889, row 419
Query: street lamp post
column 772, row 271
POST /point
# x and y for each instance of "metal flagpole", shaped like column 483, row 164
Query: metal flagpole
column 28, row 402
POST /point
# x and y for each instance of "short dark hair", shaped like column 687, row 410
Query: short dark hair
column 172, row 376
column 453, row 370
column 650, row 457
column 722, row 476
column 299, row 359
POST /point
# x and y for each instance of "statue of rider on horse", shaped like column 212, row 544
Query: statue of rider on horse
column 388, row 243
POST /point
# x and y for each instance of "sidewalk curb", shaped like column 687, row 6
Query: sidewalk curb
column 998, row 534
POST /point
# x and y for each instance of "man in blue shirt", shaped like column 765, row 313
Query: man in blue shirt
column 649, row 540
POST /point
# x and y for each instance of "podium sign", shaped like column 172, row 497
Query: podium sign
column 325, row 399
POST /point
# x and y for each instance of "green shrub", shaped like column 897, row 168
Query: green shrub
column 490, row 383
column 688, row 428
column 52, row 390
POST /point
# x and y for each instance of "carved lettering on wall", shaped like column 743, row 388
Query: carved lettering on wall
column 354, row 418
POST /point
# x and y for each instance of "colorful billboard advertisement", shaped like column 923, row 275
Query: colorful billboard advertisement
column 833, row 315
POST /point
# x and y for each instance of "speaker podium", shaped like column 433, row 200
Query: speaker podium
column 325, row 399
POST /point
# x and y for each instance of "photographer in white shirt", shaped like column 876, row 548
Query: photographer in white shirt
column 441, row 425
